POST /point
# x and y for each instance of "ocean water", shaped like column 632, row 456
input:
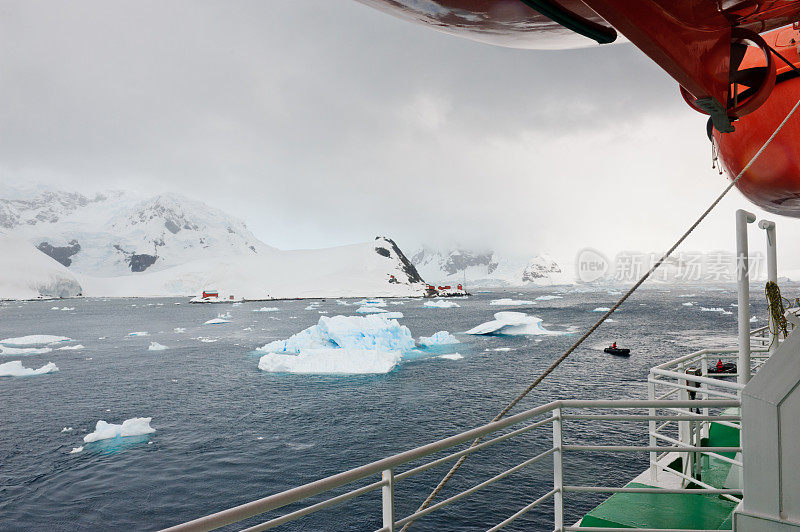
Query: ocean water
column 227, row 433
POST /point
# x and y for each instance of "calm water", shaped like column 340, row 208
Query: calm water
column 227, row 433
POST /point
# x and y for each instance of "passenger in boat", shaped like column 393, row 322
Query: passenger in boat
column 719, row 364
column 614, row 345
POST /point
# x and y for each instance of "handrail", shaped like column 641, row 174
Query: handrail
column 272, row 502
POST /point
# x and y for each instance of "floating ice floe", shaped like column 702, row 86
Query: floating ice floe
column 391, row 315
column 342, row 302
column 267, row 309
column 340, row 345
column 34, row 340
column 179, row 329
column 155, row 346
column 76, row 450
column 688, row 295
column 754, row 319
column 54, row 308
column 370, row 310
column 136, row 426
column 16, row 369
column 216, row 321
column 71, row 347
column 602, row 309
column 452, row 356
column 548, row 298
column 512, row 323
column 688, row 304
column 206, row 339
column 500, row 349
column 139, row 333
column 67, row 429
column 22, row 351
column 441, row 303
column 67, row 308
column 372, row 303
column 439, row 338
column 313, row 306
column 396, row 303
column 508, row 302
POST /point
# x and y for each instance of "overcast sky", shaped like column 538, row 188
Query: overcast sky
column 324, row 122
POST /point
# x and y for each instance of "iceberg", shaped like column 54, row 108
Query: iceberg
column 512, row 323
column 332, row 361
column 155, row 346
column 340, row 345
column 34, row 339
column 22, row 351
column 439, row 338
column 508, row 302
column 441, row 303
column 136, row 426
column 16, row 369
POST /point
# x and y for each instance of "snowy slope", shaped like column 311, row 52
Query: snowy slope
column 359, row 270
column 117, row 233
column 27, row 273
column 486, row 268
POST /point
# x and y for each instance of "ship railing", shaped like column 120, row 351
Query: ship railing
column 687, row 378
column 557, row 417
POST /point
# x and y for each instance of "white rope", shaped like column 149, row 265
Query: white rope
column 605, row 316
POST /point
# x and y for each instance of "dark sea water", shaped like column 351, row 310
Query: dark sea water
column 227, row 433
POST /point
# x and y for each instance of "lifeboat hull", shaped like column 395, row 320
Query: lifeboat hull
column 773, row 181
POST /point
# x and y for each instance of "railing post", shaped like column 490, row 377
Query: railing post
column 558, row 473
column 388, row 499
column 651, row 395
column 772, row 275
column 743, row 288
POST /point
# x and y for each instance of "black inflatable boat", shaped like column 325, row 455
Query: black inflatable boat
column 728, row 367
column 621, row 352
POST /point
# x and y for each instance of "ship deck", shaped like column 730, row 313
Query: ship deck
column 674, row 510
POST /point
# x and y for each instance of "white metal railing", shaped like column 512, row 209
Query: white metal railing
column 553, row 414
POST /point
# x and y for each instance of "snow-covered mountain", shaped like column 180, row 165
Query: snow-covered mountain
column 486, row 268
column 120, row 244
column 116, row 233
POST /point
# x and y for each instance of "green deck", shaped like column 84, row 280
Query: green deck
column 668, row 510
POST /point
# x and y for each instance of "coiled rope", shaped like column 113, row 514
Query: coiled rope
column 777, row 311
column 605, row 316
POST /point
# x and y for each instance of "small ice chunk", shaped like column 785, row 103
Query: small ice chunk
column 441, row 303
column 512, row 323
column 139, row 333
column 369, row 310
column 500, row 349
column 391, row 315
column 216, row 321
column 688, row 304
column 452, row 356
column 313, row 306
column 439, row 338
column 67, row 429
column 267, row 309
column 714, row 309
column 71, row 347
column 754, row 319
column 34, row 339
column 548, row 298
column 331, row 361
column 76, row 450
column 396, row 303
column 508, row 302
column 372, row 303
column 342, row 302
column 155, row 346
column 16, row 369
column 67, row 308
column 54, row 308
column 179, row 329
column 602, row 309
column 136, row 426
